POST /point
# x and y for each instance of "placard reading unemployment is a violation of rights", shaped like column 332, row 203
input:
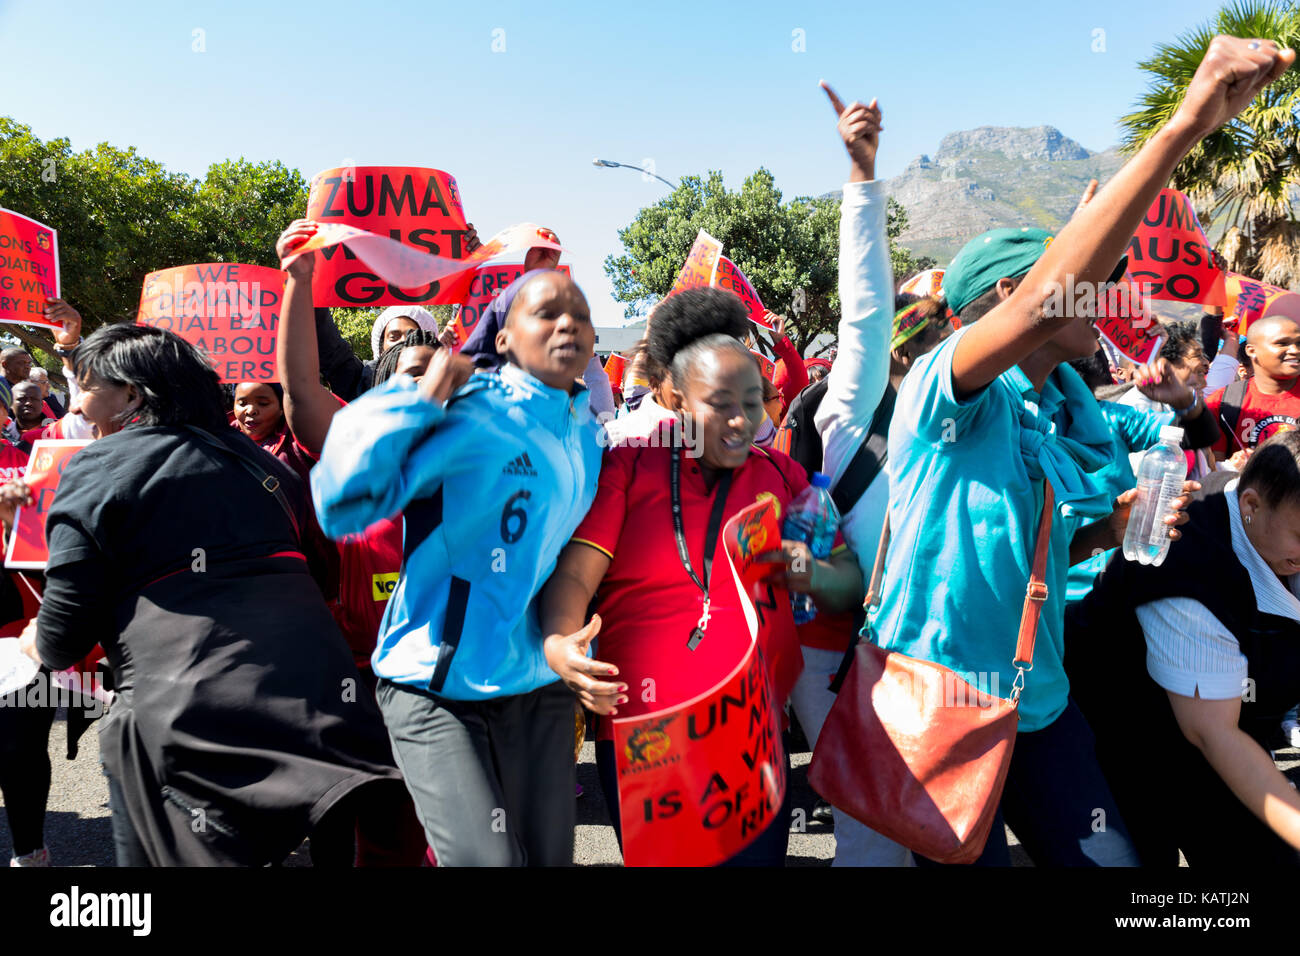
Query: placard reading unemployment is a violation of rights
column 29, row 269
column 229, row 310
column 700, row 781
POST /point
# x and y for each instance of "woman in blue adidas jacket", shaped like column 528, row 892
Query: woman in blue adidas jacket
column 493, row 475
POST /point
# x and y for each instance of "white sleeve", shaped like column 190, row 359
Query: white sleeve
column 1189, row 652
column 857, row 379
column 1223, row 371
column 597, row 383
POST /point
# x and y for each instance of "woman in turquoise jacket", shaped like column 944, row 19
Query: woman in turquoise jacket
column 493, row 474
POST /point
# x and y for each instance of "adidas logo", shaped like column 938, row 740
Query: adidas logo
column 521, row 466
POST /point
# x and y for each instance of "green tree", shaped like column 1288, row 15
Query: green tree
column 1245, row 174
column 120, row 216
column 788, row 250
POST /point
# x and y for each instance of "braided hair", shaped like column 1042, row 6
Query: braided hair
column 386, row 364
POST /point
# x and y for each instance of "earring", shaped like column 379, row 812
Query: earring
column 1248, row 519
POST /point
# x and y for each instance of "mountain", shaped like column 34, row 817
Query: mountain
column 991, row 177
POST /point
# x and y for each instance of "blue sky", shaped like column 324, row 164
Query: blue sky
column 690, row 86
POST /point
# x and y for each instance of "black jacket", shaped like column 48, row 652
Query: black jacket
column 238, row 703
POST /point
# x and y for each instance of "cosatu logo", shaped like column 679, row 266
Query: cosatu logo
column 648, row 742
column 384, row 585
column 752, row 535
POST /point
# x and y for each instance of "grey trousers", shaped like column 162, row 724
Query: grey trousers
column 493, row 780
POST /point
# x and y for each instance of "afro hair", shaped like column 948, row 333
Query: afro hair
column 689, row 316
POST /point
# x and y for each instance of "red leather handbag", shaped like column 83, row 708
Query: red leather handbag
column 914, row 751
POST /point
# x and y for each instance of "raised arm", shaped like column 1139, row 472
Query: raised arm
column 860, row 373
column 383, row 451
column 1090, row 245
column 308, row 405
column 796, row 375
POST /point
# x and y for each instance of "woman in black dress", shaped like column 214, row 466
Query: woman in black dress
column 239, row 725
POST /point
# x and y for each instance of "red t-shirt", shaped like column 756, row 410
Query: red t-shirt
column 647, row 602
column 369, row 565
column 1262, row 417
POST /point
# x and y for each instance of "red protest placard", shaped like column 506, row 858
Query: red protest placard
column 701, row 264
column 476, row 291
column 1169, row 256
column 229, row 310
column 733, row 280
column 1248, row 301
column 29, row 270
column 421, row 208
column 27, row 547
column 699, row 782
column 1126, row 322
column 615, row 368
column 755, row 531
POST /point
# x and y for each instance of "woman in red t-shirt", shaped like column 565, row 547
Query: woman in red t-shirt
column 626, row 552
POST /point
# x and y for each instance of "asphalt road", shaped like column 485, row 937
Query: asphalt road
column 77, row 819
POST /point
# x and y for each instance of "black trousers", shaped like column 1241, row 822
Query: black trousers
column 25, row 765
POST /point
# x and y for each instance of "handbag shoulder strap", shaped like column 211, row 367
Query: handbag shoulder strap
column 268, row 481
column 1035, row 595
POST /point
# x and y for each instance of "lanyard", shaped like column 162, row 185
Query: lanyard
column 710, row 539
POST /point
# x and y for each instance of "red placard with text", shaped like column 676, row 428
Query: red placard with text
column 733, row 280
column 228, row 310
column 1127, row 324
column 1248, row 300
column 479, row 288
column 1169, row 257
column 701, row 781
column 421, row 208
column 29, row 270
column 27, row 546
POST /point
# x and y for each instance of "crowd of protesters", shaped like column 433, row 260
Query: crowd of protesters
column 378, row 603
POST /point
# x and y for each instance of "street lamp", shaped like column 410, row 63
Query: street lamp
column 613, row 165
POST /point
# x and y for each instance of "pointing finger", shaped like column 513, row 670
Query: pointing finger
column 836, row 102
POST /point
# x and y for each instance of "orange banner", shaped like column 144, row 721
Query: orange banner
column 923, row 284
column 1127, row 324
column 228, row 310
column 1169, row 256
column 701, row 264
column 701, row 781
column 1248, row 300
column 477, row 289
column 27, row 547
column 29, row 270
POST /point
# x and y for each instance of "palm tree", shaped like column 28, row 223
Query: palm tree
column 1246, row 174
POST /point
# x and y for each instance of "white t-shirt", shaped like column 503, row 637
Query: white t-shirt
column 1189, row 651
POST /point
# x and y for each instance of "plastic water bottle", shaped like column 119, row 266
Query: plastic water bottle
column 1160, row 480
column 813, row 519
